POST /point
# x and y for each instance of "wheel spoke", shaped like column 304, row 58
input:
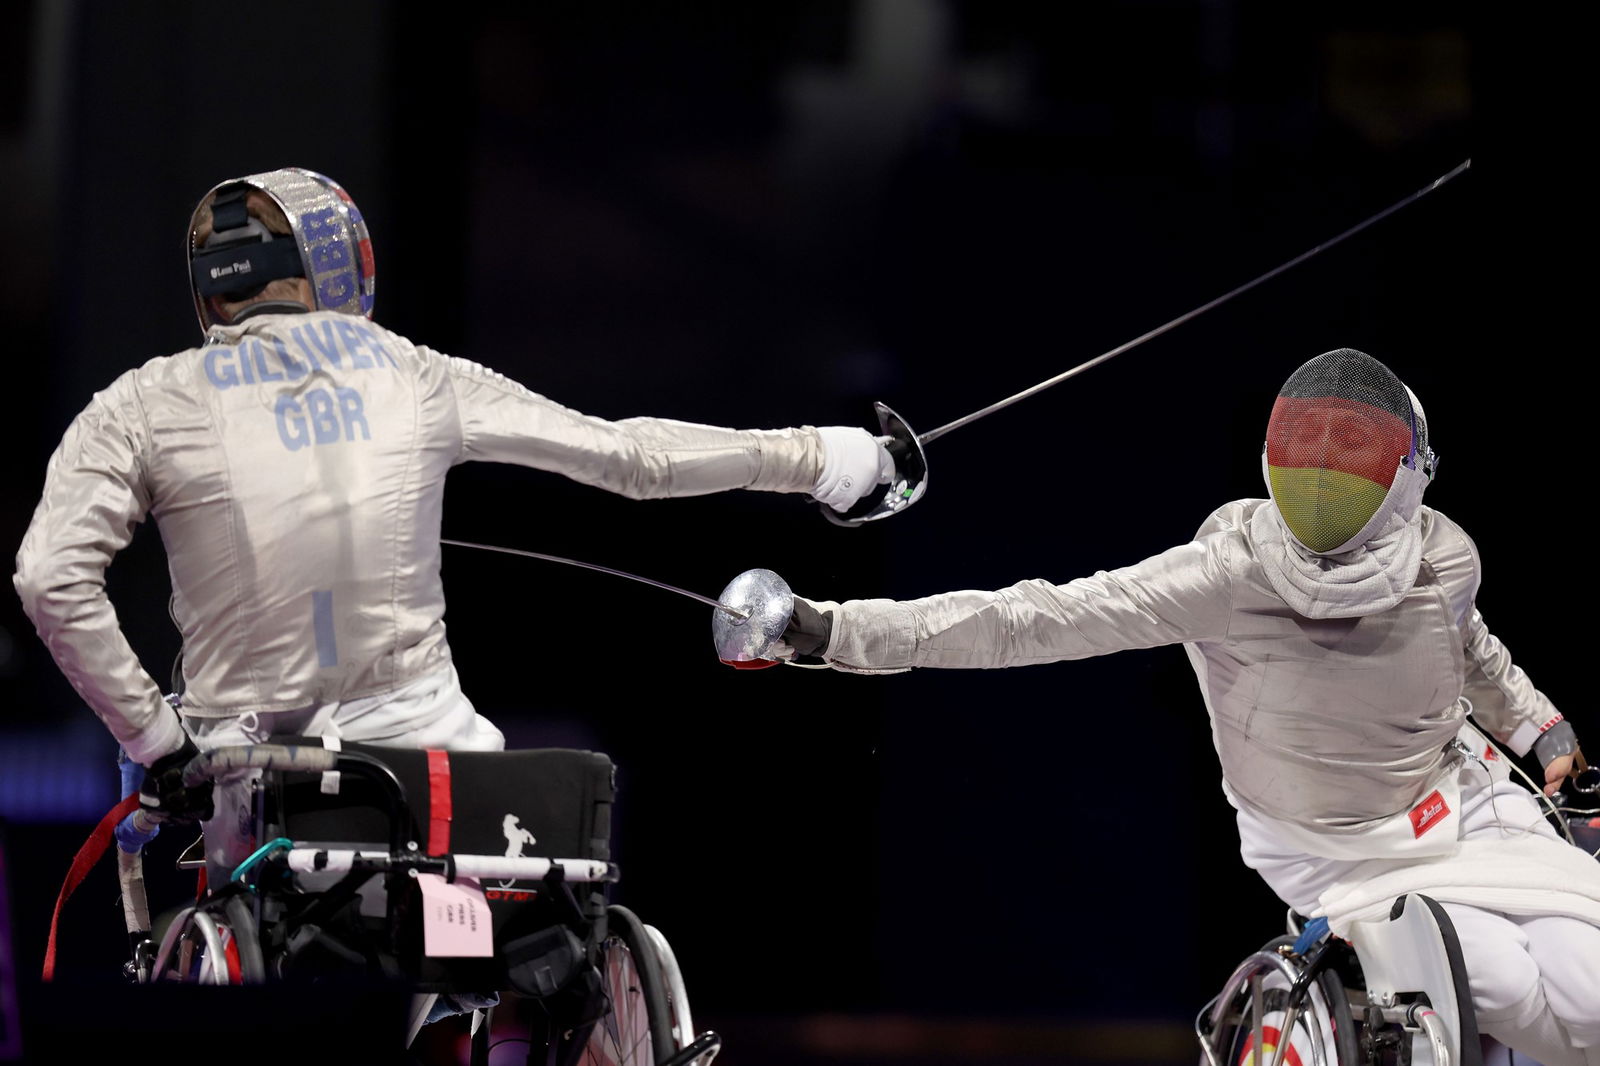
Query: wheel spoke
column 622, row 1036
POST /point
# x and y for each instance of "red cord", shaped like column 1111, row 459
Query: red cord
column 82, row 863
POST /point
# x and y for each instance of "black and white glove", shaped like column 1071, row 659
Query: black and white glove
column 854, row 463
column 163, row 793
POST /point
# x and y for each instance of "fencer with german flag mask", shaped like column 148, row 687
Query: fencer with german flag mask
column 1333, row 632
column 295, row 464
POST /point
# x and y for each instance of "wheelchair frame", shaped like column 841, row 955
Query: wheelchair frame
column 634, row 1011
column 1395, row 993
column 1401, row 981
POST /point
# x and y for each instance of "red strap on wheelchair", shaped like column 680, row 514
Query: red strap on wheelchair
column 82, row 863
column 438, row 802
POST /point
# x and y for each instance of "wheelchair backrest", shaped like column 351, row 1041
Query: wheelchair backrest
column 541, row 802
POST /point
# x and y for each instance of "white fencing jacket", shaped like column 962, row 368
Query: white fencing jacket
column 295, row 466
column 1332, row 725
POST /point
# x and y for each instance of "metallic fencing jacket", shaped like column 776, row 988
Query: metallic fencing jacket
column 1327, row 723
column 295, row 466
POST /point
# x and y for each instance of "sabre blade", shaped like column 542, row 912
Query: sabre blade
column 939, row 431
column 707, row 600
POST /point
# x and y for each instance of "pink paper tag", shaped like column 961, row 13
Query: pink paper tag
column 455, row 918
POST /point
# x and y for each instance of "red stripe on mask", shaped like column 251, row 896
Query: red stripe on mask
column 1334, row 433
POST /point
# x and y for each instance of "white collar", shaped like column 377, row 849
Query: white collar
column 1364, row 580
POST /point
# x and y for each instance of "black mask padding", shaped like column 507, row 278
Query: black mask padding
column 228, row 211
column 241, row 255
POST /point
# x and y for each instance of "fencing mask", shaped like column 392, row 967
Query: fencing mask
column 1347, row 448
column 328, row 243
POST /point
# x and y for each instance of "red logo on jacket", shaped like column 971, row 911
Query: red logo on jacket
column 1428, row 813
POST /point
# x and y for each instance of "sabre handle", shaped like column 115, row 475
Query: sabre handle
column 909, row 461
column 1585, row 778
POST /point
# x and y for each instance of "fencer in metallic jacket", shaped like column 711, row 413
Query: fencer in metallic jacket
column 1332, row 627
column 295, row 466
column 1333, row 631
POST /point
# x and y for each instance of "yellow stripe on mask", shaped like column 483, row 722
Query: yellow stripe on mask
column 1323, row 508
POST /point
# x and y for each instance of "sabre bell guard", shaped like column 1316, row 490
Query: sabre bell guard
column 767, row 602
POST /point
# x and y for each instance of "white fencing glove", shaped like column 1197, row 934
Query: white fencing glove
column 854, row 463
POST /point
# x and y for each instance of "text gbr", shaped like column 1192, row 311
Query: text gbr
column 316, row 415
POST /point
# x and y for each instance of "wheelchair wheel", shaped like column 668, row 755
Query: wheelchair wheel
column 1323, row 1030
column 636, row 1029
column 683, row 1030
column 210, row 944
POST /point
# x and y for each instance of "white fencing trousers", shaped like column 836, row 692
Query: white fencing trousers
column 430, row 712
column 1535, row 980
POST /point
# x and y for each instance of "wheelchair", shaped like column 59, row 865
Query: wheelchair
column 362, row 845
column 1394, row 994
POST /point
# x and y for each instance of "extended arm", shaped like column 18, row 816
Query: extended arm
column 1184, row 594
column 501, row 421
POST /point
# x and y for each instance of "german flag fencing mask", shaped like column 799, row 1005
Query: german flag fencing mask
column 1347, row 450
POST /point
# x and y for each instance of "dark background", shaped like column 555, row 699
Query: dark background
column 773, row 214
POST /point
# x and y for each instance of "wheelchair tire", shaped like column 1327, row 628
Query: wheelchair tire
column 683, row 1032
column 1347, row 1044
column 636, row 1029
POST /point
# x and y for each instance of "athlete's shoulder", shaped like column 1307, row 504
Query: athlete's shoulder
column 1443, row 534
column 1224, row 538
column 162, row 371
column 386, row 333
column 1231, row 518
column 1447, row 547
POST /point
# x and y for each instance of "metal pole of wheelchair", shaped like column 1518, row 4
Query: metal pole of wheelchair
column 1254, row 966
column 1297, row 994
column 1426, row 1020
column 394, row 794
column 210, row 765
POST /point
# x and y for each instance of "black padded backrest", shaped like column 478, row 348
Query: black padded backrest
column 562, row 797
